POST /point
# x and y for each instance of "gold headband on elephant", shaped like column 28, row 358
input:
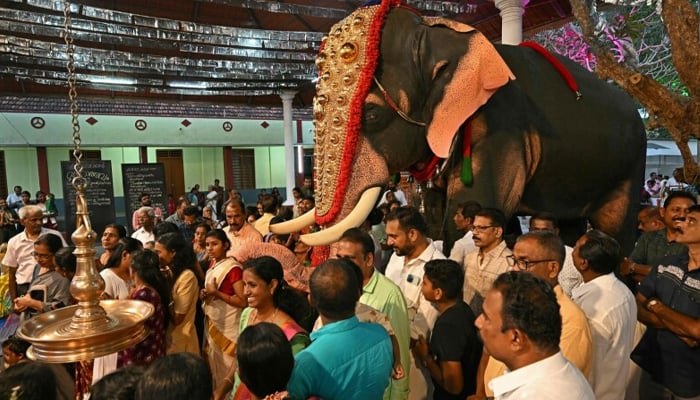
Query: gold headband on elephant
column 346, row 64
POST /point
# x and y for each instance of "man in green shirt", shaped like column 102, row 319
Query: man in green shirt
column 382, row 294
column 655, row 245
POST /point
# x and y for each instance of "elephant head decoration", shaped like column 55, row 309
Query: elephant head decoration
column 397, row 90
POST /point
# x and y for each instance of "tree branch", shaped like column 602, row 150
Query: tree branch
column 683, row 25
column 677, row 113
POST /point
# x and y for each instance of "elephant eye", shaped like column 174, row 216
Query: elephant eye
column 373, row 115
column 370, row 116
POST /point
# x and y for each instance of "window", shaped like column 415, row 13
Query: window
column 243, row 168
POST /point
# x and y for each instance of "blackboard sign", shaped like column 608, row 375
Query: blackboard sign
column 99, row 193
column 143, row 178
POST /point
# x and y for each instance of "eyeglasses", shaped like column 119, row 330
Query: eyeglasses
column 41, row 256
column 523, row 264
column 477, row 228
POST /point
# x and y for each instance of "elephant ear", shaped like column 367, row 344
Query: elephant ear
column 476, row 77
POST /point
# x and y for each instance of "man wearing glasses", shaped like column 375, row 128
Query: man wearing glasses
column 19, row 258
column 542, row 254
column 569, row 277
column 483, row 265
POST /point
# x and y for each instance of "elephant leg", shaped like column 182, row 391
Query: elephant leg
column 617, row 216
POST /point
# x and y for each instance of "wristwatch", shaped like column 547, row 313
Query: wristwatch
column 651, row 304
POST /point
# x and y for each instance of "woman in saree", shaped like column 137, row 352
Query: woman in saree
column 271, row 300
column 222, row 301
column 177, row 257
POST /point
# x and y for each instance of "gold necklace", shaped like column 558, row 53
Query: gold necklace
column 256, row 320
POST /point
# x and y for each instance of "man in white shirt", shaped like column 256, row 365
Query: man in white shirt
column 611, row 311
column 569, row 277
column 406, row 233
column 676, row 182
column 146, row 219
column 20, row 249
column 521, row 326
column 146, row 202
column 464, row 219
column 15, row 199
column 483, row 265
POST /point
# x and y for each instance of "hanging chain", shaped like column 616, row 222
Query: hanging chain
column 73, row 94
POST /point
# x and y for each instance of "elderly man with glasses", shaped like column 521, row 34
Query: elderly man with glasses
column 483, row 265
column 19, row 258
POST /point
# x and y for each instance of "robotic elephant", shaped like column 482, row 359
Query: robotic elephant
column 505, row 125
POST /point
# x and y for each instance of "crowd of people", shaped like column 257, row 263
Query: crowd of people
column 240, row 313
column 658, row 186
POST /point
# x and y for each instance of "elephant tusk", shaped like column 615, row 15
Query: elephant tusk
column 356, row 217
column 294, row 225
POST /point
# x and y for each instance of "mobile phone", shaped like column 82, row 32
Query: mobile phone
column 38, row 293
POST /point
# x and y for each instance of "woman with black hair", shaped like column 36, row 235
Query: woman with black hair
column 110, row 238
column 66, row 263
column 150, row 286
column 179, row 376
column 222, row 299
column 178, row 259
column 116, row 272
column 199, row 244
column 48, row 289
column 265, row 361
column 118, row 285
column 270, row 299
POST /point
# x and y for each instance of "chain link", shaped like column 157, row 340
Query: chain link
column 73, row 94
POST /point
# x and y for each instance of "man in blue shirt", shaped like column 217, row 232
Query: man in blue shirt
column 668, row 304
column 347, row 359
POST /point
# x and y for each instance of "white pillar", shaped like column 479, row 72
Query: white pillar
column 512, row 21
column 287, row 97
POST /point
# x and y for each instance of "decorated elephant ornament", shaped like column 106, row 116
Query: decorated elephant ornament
column 398, row 91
